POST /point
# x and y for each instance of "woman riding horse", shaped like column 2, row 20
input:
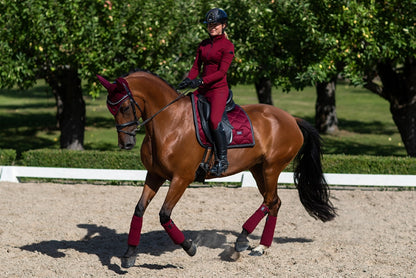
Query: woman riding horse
column 170, row 149
column 215, row 56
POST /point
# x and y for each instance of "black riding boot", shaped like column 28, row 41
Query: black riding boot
column 221, row 163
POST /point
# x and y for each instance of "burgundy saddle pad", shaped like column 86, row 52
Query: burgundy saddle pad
column 242, row 129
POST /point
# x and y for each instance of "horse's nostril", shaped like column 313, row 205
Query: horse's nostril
column 128, row 146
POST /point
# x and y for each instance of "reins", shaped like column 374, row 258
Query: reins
column 136, row 121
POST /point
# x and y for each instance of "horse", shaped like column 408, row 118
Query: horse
column 170, row 151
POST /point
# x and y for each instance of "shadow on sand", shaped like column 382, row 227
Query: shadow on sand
column 105, row 243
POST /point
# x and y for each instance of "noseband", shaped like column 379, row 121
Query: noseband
column 134, row 104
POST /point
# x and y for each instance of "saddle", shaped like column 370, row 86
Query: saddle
column 204, row 109
column 236, row 123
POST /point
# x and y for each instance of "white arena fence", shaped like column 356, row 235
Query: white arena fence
column 13, row 173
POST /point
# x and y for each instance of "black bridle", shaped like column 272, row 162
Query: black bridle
column 134, row 104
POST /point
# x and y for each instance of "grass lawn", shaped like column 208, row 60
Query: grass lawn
column 28, row 120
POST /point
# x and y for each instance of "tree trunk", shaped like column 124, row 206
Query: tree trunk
column 66, row 87
column 264, row 91
column 326, row 120
column 399, row 89
column 405, row 120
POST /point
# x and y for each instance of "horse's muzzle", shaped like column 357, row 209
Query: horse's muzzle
column 126, row 142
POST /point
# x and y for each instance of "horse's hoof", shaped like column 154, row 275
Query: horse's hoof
column 230, row 255
column 242, row 244
column 258, row 251
column 189, row 247
column 127, row 262
column 129, row 258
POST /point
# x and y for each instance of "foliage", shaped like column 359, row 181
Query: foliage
column 95, row 36
column 294, row 43
column 85, row 159
column 365, row 164
column 274, row 39
column 298, row 43
column 7, row 156
column 384, row 31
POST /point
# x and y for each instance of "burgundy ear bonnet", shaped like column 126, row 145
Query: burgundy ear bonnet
column 116, row 93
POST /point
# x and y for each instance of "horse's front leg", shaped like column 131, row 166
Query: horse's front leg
column 152, row 185
column 175, row 192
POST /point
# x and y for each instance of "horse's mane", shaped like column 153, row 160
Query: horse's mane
column 147, row 71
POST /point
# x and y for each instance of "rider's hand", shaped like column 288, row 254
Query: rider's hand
column 196, row 83
column 185, row 83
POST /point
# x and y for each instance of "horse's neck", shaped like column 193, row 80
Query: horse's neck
column 155, row 92
column 167, row 117
column 157, row 100
column 157, row 96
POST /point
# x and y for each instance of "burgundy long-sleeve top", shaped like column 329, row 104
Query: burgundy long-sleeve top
column 214, row 55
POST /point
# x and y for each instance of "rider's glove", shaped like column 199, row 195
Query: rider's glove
column 196, row 83
column 185, row 83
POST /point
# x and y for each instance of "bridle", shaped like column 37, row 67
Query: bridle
column 134, row 104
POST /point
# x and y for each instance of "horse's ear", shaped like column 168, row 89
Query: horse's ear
column 109, row 86
column 121, row 83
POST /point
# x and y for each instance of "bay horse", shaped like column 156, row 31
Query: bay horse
column 170, row 151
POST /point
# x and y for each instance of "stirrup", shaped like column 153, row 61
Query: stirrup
column 220, row 167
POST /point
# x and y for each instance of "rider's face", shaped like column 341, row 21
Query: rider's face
column 215, row 29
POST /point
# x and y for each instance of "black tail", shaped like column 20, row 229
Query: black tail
column 309, row 178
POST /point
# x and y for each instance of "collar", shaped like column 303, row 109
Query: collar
column 219, row 37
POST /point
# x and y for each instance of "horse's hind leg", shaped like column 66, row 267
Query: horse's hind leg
column 267, row 184
column 175, row 192
column 152, row 185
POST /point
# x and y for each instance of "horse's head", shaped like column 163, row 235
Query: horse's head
column 125, row 109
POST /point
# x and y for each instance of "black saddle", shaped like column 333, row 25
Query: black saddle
column 204, row 109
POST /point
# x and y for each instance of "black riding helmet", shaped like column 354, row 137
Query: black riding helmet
column 216, row 16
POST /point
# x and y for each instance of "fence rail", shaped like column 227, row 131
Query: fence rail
column 13, row 173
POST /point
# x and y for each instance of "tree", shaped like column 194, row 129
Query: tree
column 309, row 42
column 376, row 47
column 389, row 55
column 326, row 120
column 277, row 42
column 48, row 39
column 65, row 42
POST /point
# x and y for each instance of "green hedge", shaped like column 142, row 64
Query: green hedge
column 365, row 164
column 7, row 157
column 82, row 159
column 131, row 160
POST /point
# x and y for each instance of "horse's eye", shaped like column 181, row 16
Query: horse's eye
column 124, row 109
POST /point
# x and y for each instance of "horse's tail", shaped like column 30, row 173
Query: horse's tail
column 308, row 175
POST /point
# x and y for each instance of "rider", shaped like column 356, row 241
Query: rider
column 215, row 56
